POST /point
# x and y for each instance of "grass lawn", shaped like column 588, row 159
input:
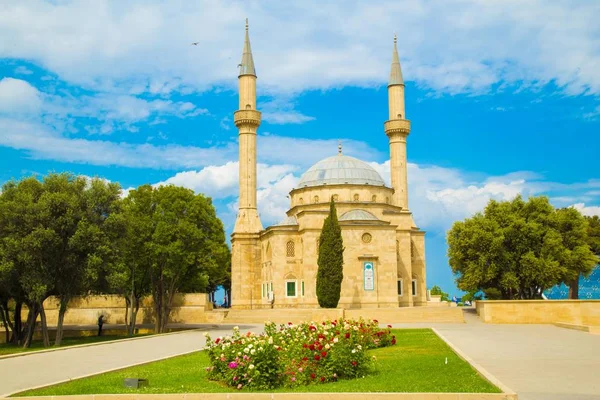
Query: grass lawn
column 415, row 364
column 8, row 348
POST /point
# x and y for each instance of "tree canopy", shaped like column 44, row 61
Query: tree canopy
column 517, row 249
column 330, row 271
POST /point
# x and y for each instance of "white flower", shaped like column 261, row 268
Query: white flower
column 236, row 328
column 252, row 351
column 239, row 354
column 327, row 346
column 353, row 351
column 359, row 347
column 251, row 366
column 270, row 340
column 335, row 340
column 355, row 328
column 246, row 350
column 205, row 334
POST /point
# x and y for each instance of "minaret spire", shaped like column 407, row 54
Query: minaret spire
column 397, row 129
column 247, row 64
column 396, row 71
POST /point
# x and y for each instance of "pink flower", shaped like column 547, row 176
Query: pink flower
column 233, row 365
column 239, row 386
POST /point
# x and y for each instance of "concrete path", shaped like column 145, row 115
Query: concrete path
column 539, row 362
column 34, row 370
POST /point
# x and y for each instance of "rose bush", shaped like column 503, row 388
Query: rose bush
column 291, row 355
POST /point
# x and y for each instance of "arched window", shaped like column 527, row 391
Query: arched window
column 316, row 199
column 374, row 198
column 356, row 197
column 290, row 249
column 300, row 200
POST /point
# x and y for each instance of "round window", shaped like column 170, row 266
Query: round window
column 366, row 237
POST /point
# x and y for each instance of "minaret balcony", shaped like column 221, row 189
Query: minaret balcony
column 246, row 117
column 397, row 126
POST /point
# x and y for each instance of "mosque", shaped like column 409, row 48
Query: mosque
column 384, row 256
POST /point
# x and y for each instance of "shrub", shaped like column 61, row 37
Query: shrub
column 292, row 355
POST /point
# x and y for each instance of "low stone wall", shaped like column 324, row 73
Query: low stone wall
column 581, row 312
column 409, row 314
column 187, row 308
column 383, row 315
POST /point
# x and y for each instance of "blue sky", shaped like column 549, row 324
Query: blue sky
column 502, row 97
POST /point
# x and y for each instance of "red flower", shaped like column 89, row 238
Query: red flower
column 311, row 347
column 317, row 357
column 323, row 354
column 312, row 376
column 218, row 340
column 305, row 359
column 375, row 321
column 389, row 326
column 305, row 345
column 312, row 328
column 347, row 335
column 320, row 347
column 322, row 379
column 354, row 363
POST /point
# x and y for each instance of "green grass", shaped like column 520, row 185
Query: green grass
column 415, row 364
column 8, row 348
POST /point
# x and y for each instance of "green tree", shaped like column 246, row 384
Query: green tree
column 180, row 241
column 51, row 242
column 437, row 291
column 517, row 249
column 593, row 240
column 330, row 271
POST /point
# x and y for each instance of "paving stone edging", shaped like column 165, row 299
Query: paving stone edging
column 285, row 396
column 482, row 371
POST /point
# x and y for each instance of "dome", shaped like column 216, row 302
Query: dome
column 340, row 169
column 287, row 221
column 358, row 215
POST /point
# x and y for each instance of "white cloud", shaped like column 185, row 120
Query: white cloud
column 18, row 97
column 587, row 210
column 450, row 46
column 286, row 117
column 22, row 70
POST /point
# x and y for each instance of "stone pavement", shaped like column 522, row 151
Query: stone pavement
column 34, row 370
column 538, row 362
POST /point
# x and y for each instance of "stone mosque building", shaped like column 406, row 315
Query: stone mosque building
column 384, row 257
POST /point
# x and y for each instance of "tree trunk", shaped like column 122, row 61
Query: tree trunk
column 574, row 289
column 127, row 305
column 31, row 319
column 5, row 320
column 45, row 335
column 134, row 303
column 61, row 318
column 17, row 332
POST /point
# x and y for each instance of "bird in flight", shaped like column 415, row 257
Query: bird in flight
column 195, row 43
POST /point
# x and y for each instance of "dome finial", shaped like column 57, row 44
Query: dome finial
column 246, row 24
column 395, row 37
column 339, row 147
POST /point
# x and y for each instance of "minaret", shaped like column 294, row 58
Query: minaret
column 245, row 246
column 397, row 129
column 247, row 120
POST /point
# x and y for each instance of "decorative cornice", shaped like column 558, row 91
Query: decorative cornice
column 246, row 117
column 397, row 126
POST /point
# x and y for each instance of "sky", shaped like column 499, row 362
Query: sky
column 503, row 98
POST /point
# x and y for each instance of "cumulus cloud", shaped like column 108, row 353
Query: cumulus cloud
column 587, row 210
column 465, row 46
column 18, row 97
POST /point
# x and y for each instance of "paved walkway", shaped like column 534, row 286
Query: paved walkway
column 539, row 362
column 34, row 370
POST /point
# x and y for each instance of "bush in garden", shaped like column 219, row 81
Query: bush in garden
column 292, row 355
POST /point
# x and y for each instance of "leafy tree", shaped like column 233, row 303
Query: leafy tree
column 593, row 240
column 437, row 291
column 51, row 242
column 330, row 272
column 180, row 241
column 517, row 249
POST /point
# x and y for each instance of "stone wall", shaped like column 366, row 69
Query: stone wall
column 188, row 308
column 581, row 312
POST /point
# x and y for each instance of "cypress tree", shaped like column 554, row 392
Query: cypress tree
column 331, row 261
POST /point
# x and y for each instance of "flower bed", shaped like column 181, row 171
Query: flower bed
column 292, row 355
